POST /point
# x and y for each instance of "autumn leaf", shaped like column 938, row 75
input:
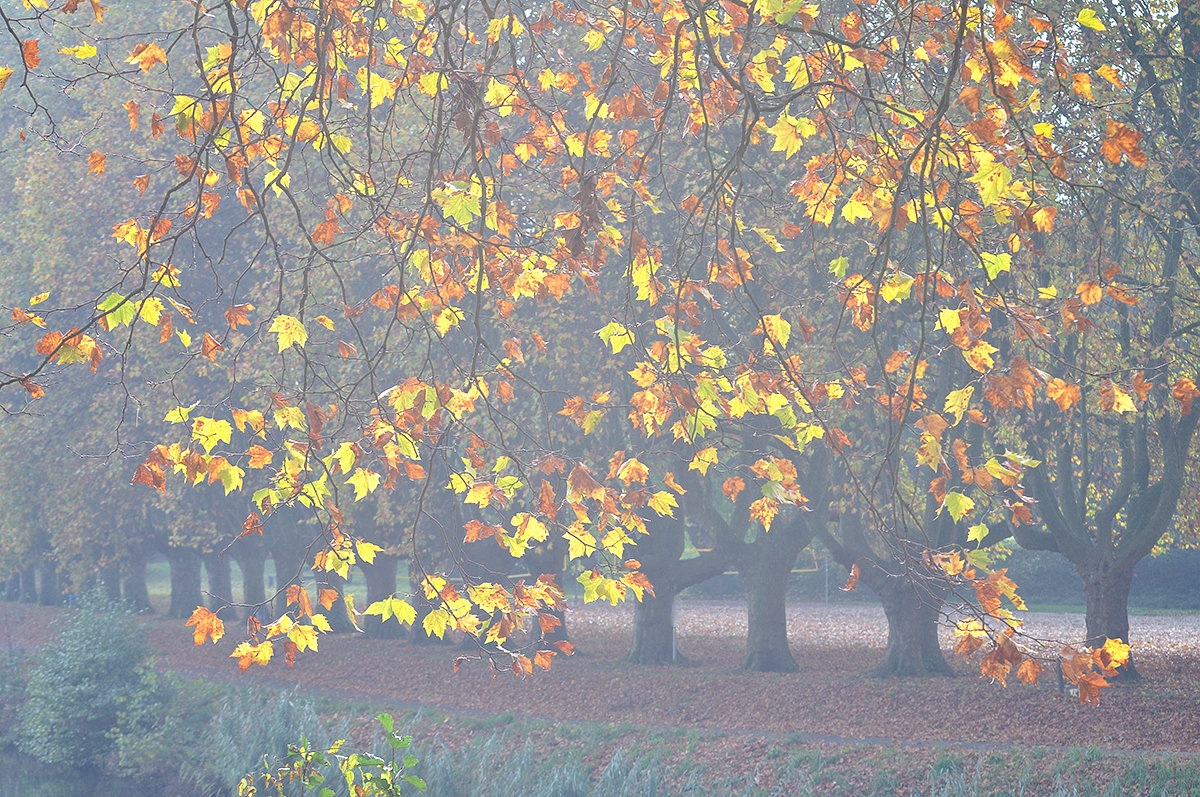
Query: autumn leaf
column 207, row 625
column 238, row 314
column 5, row 73
column 259, row 457
column 209, row 347
column 290, row 330
column 146, row 56
column 248, row 654
column 852, row 579
column 29, row 52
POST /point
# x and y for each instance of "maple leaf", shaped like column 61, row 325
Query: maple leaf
column 248, row 654
column 852, row 579
column 290, row 330
column 29, row 53
column 146, row 56
column 209, row 347
column 327, row 597
column 96, row 163
column 207, row 625
column 238, row 314
column 259, row 457
column 5, row 73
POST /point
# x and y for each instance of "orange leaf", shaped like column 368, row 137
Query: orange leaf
column 259, row 457
column 327, row 597
column 29, row 51
column 542, row 658
column 852, row 580
column 252, row 525
column 238, row 314
column 1029, row 671
column 96, row 163
column 346, row 350
column 209, row 347
column 732, row 486
column 134, row 110
column 207, row 625
column 146, row 56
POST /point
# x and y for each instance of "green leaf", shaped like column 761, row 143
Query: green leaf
column 616, row 336
column 977, row 533
column 838, row 267
column 994, row 264
column 958, row 505
column 118, row 310
column 364, row 482
column 435, row 623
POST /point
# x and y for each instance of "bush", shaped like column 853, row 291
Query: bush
column 80, row 685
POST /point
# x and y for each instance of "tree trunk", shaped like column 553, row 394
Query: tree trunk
column 654, row 627
column 913, row 649
column 134, row 588
column 220, row 581
column 765, row 565
column 1106, row 589
column 48, row 591
column 185, row 582
column 29, row 593
column 110, row 577
column 252, row 560
column 381, row 583
column 289, row 558
column 12, row 587
column 766, row 581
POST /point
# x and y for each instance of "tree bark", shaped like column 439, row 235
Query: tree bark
column 913, row 649
column 110, row 577
column 29, row 593
column 767, row 648
column 185, row 582
column 654, row 628
column 220, row 581
column 12, row 587
column 381, row 583
column 48, row 591
column 134, row 588
column 252, row 559
column 1106, row 589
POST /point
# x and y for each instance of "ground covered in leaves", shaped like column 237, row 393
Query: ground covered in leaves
column 830, row 709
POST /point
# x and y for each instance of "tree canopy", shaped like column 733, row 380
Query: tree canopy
column 591, row 268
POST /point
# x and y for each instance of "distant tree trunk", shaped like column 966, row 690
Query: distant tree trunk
column 252, row 561
column 48, row 591
column 134, row 589
column 220, row 581
column 765, row 565
column 110, row 577
column 29, row 593
column 12, row 587
column 185, row 582
column 913, row 648
column 1106, row 589
column 381, row 583
column 289, row 556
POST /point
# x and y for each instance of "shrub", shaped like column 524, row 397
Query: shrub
column 82, row 683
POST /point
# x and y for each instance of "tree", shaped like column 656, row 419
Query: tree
column 428, row 190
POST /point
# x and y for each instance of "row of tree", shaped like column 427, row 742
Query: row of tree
column 924, row 276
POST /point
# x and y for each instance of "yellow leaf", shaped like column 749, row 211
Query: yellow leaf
column 435, row 623
column 364, row 482
column 663, row 502
column 290, row 330
column 324, row 321
column 957, row 401
column 5, row 73
column 1087, row 17
column 367, row 550
column 703, row 459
